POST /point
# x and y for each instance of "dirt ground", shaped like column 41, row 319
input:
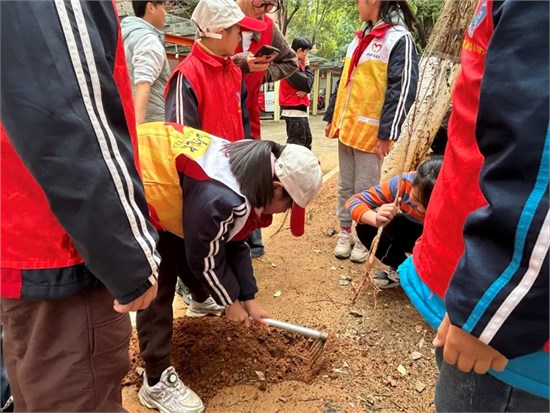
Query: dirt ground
column 376, row 359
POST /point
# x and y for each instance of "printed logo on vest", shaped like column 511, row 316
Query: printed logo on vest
column 479, row 16
column 192, row 143
column 374, row 51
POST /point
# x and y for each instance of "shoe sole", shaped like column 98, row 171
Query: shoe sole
column 389, row 286
column 194, row 314
column 358, row 261
column 160, row 408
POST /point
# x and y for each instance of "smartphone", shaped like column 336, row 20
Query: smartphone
column 266, row 50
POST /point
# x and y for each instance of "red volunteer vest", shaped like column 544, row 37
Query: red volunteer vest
column 456, row 193
column 217, row 83
column 288, row 96
column 255, row 80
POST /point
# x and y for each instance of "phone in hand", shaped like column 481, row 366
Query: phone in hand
column 267, row 51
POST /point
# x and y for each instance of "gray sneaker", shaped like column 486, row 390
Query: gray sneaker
column 170, row 395
column 208, row 307
column 386, row 279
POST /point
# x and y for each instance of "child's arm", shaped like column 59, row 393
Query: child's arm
column 382, row 216
column 400, row 93
column 362, row 206
column 499, row 291
column 208, row 207
column 182, row 104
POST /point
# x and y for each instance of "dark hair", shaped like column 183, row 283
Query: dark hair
column 301, row 43
column 140, row 6
column 425, row 178
column 388, row 9
column 250, row 163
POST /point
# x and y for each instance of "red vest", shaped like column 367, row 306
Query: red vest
column 288, row 96
column 217, row 83
column 456, row 193
column 254, row 80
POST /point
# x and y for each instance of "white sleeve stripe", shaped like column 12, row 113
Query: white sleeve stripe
column 512, row 301
column 405, row 86
column 130, row 207
column 209, row 261
column 179, row 97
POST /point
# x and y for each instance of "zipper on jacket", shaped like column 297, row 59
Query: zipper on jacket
column 347, row 99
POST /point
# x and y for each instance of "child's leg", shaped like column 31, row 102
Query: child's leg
column 296, row 131
column 401, row 234
column 309, row 136
column 346, row 178
column 366, row 234
column 456, row 391
column 367, row 170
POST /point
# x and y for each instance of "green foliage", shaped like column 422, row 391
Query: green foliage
column 331, row 23
column 427, row 12
column 328, row 23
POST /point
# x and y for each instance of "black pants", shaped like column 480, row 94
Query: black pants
column 298, row 132
column 397, row 238
column 154, row 324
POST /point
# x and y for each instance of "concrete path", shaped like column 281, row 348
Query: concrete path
column 325, row 149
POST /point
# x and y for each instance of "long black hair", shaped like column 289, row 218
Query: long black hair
column 425, row 178
column 250, row 163
column 388, row 9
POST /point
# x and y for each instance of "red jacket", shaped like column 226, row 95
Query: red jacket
column 254, row 80
column 457, row 187
column 288, row 96
column 207, row 92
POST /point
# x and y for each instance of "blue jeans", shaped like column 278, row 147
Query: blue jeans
column 456, row 391
column 255, row 243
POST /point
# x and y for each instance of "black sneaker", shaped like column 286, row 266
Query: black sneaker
column 386, row 279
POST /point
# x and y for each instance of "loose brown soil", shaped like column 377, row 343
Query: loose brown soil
column 235, row 369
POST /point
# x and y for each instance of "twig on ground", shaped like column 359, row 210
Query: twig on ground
column 240, row 401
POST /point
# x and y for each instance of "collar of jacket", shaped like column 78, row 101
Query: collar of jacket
column 206, row 55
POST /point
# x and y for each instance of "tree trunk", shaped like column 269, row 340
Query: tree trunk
column 438, row 69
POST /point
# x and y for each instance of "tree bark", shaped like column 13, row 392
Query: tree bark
column 439, row 67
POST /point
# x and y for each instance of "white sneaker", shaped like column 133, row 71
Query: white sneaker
column 359, row 253
column 343, row 245
column 208, row 307
column 170, row 395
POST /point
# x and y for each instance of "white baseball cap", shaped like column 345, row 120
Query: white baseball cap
column 212, row 15
column 300, row 173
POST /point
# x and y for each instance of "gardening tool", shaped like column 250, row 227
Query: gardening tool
column 320, row 337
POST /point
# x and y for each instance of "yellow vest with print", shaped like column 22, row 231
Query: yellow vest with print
column 159, row 145
column 359, row 104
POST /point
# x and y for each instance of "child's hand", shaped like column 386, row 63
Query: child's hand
column 256, row 312
column 385, row 214
column 327, row 129
column 236, row 313
column 466, row 351
column 301, row 94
